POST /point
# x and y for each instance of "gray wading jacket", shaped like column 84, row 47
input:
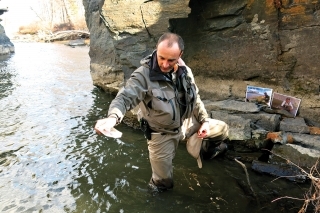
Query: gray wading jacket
column 158, row 97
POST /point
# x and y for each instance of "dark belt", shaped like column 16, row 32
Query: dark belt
column 164, row 133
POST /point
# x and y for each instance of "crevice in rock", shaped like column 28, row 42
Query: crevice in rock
column 106, row 22
column 223, row 17
column 251, row 78
column 144, row 22
column 278, row 6
column 312, row 26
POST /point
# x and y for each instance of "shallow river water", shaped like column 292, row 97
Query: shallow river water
column 52, row 161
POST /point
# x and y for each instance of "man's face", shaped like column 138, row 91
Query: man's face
column 167, row 56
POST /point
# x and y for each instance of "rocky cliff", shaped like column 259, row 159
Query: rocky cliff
column 229, row 44
column 6, row 47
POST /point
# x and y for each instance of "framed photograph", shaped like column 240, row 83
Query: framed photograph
column 259, row 95
column 288, row 103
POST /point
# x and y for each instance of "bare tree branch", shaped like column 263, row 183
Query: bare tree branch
column 248, row 180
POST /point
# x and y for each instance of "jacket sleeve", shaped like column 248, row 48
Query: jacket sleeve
column 130, row 95
column 199, row 111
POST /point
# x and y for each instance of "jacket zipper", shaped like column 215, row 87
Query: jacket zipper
column 172, row 106
column 174, row 112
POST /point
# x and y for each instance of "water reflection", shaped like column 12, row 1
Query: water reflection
column 6, row 77
column 108, row 170
column 52, row 161
column 46, row 90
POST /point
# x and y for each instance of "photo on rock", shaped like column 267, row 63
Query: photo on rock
column 259, row 95
column 288, row 103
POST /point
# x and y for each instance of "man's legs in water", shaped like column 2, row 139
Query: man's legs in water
column 162, row 149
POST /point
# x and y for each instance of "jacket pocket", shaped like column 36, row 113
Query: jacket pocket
column 163, row 107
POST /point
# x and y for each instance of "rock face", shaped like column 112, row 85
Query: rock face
column 253, row 128
column 6, row 47
column 229, row 44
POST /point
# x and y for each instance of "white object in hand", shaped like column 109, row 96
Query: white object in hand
column 113, row 133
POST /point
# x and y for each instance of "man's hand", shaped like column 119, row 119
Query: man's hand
column 204, row 130
column 105, row 124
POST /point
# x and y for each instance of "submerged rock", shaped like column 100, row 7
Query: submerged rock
column 77, row 42
column 283, row 170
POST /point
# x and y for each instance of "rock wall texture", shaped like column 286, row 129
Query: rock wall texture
column 229, row 44
column 6, row 47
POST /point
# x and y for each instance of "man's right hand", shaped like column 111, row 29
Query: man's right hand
column 105, row 124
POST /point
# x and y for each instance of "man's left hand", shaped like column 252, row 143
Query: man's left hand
column 204, row 130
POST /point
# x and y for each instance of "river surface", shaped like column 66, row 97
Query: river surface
column 52, row 161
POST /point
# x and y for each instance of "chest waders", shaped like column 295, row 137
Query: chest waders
column 162, row 146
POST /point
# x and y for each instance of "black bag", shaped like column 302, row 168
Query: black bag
column 144, row 126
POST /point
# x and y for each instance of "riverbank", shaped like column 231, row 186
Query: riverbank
column 27, row 38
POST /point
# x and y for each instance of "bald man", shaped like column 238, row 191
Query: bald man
column 170, row 109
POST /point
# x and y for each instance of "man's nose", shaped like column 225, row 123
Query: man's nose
column 165, row 64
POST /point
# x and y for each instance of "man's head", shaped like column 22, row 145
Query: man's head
column 287, row 100
column 170, row 47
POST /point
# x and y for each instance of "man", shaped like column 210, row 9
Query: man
column 266, row 97
column 170, row 110
column 287, row 105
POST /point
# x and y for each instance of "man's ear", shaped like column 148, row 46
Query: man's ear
column 181, row 54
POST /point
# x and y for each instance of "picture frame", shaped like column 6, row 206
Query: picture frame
column 259, row 95
column 285, row 102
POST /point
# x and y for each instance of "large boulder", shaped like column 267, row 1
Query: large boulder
column 229, row 44
column 6, row 47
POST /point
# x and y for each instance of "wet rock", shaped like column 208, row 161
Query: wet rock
column 287, row 171
column 294, row 125
column 77, row 42
column 304, row 157
column 302, row 149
